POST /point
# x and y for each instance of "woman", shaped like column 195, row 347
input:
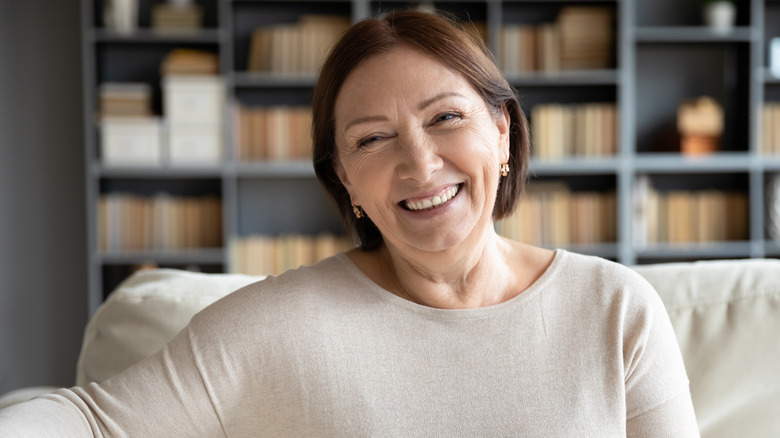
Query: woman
column 435, row 326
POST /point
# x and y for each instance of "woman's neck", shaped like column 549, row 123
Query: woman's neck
column 449, row 279
column 492, row 272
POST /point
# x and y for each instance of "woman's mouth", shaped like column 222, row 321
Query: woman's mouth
column 433, row 201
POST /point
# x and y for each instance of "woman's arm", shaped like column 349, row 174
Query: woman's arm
column 162, row 396
column 658, row 398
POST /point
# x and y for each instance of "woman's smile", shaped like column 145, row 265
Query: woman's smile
column 429, row 202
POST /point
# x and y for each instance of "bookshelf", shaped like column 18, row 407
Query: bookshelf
column 658, row 54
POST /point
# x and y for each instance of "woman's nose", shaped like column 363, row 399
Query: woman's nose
column 419, row 158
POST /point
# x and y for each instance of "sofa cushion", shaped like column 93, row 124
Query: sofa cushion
column 144, row 313
column 726, row 316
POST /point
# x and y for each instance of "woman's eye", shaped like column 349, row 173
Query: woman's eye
column 446, row 117
column 369, row 140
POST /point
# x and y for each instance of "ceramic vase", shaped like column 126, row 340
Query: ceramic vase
column 720, row 16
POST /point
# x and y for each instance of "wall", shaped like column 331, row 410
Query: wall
column 43, row 279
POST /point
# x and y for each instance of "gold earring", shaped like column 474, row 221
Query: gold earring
column 505, row 169
column 358, row 211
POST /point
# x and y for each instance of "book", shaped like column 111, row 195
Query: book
column 564, row 130
column 297, row 48
column 132, row 222
column 190, row 62
column 125, row 99
column 551, row 214
column 275, row 133
column 176, row 19
column 263, row 254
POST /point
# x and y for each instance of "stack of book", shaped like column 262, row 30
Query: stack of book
column 586, row 37
column 125, row 99
column 130, row 222
column 130, row 135
column 296, row 49
column 581, row 38
column 770, row 128
column 169, row 18
column 550, row 214
column 585, row 130
column 193, row 104
column 684, row 216
column 190, row 62
column 263, row 255
column 272, row 133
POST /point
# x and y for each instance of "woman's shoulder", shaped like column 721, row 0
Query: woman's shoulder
column 580, row 267
column 596, row 278
column 323, row 285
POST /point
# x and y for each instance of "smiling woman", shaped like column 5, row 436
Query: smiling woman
column 453, row 51
column 435, row 325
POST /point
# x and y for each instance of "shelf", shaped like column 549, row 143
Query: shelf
column 149, row 36
column 770, row 163
column 660, row 66
column 554, row 1
column 772, row 248
column 267, row 80
column 177, row 257
column 768, row 77
column 290, row 169
column 563, row 78
column 574, row 165
column 604, row 250
column 695, row 250
column 677, row 163
column 172, row 172
column 690, row 34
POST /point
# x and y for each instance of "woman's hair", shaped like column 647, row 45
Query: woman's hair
column 443, row 40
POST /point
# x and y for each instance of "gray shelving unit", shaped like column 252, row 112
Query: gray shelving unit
column 662, row 56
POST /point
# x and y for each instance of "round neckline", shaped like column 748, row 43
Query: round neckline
column 456, row 314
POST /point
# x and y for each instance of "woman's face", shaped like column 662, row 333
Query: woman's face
column 419, row 150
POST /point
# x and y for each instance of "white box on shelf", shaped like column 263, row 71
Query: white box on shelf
column 131, row 141
column 193, row 99
column 194, row 144
column 774, row 57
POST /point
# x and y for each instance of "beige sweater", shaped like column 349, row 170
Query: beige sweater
column 587, row 351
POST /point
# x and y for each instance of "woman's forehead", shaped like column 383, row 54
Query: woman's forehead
column 403, row 73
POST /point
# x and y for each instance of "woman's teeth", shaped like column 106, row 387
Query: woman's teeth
column 433, row 201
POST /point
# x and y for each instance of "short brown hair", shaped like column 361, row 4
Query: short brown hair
column 444, row 40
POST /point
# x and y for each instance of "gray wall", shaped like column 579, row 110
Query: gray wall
column 43, row 278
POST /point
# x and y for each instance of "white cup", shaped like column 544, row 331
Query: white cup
column 774, row 57
column 121, row 16
column 720, row 16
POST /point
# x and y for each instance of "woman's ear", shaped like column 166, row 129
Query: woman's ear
column 342, row 174
column 503, row 123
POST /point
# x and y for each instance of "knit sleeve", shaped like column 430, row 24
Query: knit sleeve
column 658, row 400
column 162, row 396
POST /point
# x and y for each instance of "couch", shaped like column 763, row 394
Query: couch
column 726, row 315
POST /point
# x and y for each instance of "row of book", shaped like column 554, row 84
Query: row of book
column 561, row 130
column 168, row 18
column 263, row 255
column 770, row 128
column 295, row 48
column 551, row 214
column 581, row 38
column 688, row 216
column 131, row 222
column 272, row 133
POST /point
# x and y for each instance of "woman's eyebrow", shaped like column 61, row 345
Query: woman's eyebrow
column 365, row 119
column 425, row 103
